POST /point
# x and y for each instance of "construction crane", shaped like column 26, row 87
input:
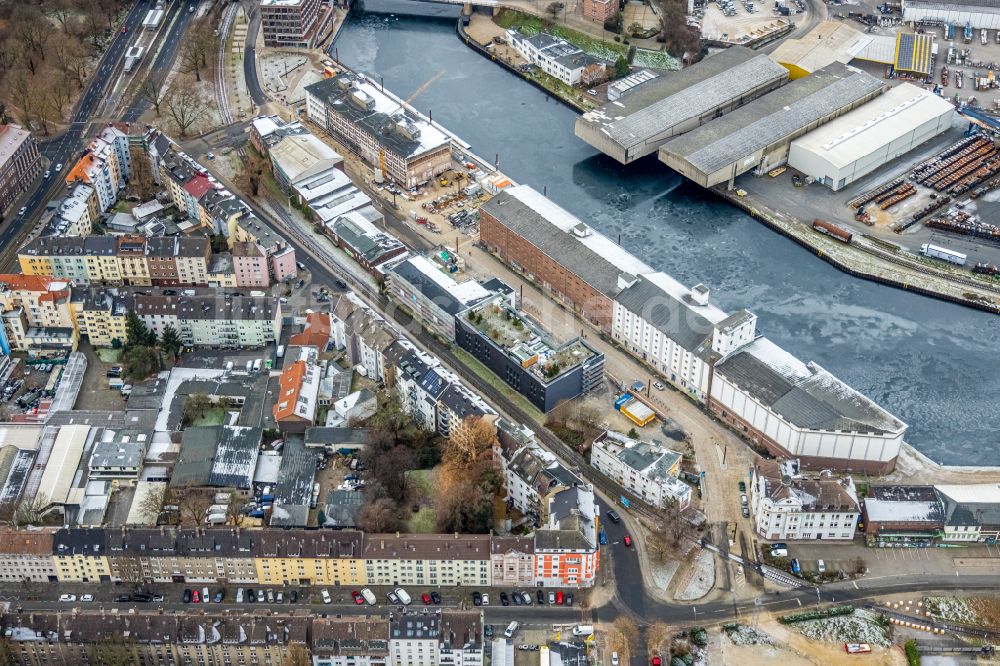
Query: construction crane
column 384, row 172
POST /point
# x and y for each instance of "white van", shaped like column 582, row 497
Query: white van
column 239, row 595
column 821, row 566
column 511, row 629
column 369, row 597
column 229, row 366
column 583, row 630
column 404, row 597
column 256, row 365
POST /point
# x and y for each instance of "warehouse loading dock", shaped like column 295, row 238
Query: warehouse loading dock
column 757, row 136
column 660, row 108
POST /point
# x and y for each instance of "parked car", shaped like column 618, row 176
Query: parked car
column 293, row 596
column 744, row 501
column 219, row 596
column 436, row 598
column 560, row 598
column 142, row 598
column 627, row 541
column 614, row 517
column 393, row 599
column 659, row 386
column 540, row 596
column 250, row 596
column 746, row 512
column 59, row 167
column 516, row 598
column 270, row 596
column 186, row 597
column 795, row 565
column 614, row 659
column 205, row 597
column 403, row 596
column 821, row 566
column 358, row 599
column 477, row 599
column 87, row 598
column 504, row 599
column 511, row 629
column 426, row 598
column 24, row 209
column 260, row 596
column 486, row 599
column 195, row 597
column 569, row 598
column 326, row 596
column 124, row 598
column 526, row 597
column 67, row 597
column 552, row 598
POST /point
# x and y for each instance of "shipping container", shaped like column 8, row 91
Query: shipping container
column 942, row 253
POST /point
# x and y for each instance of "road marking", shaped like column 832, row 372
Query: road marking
column 855, row 585
column 799, row 601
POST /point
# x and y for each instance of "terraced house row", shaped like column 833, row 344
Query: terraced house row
column 452, row 638
column 560, row 554
column 45, row 315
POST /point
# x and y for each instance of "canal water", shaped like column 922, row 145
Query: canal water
column 934, row 364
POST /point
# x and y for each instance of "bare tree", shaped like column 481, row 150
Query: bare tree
column 296, row 655
column 153, row 91
column 141, row 184
column 656, row 635
column 129, row 571
column 382, row 515
column 31, row 29
column 29, row 588
column 251, row 171
column 198, row 45
column 151, row 505
column 186, row 107
column 19, row 86
column 193, row 505
column 235, row 514
column 113, row 652
column 30, row 511
column 62, row 12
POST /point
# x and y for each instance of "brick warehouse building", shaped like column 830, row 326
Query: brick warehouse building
column 566, row 258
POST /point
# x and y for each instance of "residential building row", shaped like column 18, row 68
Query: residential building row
column 788, row 504
column 106, row 164
column 558, row 554
column 920, row 515
column 20, row 163
column 45, row 315
column 790, row 408
column 451, row 638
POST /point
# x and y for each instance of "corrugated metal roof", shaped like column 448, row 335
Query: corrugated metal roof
column 769, row 119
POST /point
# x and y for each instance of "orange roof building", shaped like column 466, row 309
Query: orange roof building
column 316, row 332
column 298, row 393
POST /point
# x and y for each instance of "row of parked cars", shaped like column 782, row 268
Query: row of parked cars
column 124, row 598
column 555, row 598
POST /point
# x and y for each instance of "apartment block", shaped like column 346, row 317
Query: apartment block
column 600, row 10
column 298, row 386
column 383, row 130
column 290, row 22
column 786, row 504
column 211, row 318
column 453, row 638
column 105, row 165
column 81, row 556
column 170, row 555
column 427, row 560
column 300, row 557
column 20, row 163
column 27, row 555
column 34, row 308
column 647, row 469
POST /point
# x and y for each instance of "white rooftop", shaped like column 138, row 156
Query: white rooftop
column 972, row 493
column 880, row 122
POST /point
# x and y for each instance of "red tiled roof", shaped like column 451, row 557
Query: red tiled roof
column 316, row 332
column 198, row 186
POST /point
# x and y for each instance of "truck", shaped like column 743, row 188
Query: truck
column 116, row 383
column 967, row 34
column 404, row 596
column 369, row 596
column 281, row 352
column 943, row 253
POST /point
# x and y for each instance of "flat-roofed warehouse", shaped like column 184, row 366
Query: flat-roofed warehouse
column 871, row 135
column 663, row 107
column 757, row 136
column 978, row 13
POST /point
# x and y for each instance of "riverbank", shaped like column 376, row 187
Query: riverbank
column 871, row 259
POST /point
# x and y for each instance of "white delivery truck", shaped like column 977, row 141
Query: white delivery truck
column 369, row 597
column 943, row 253
column 404, row 597
column 583, row 630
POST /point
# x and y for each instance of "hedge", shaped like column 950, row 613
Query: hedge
column 817, row 614
column 912, row 654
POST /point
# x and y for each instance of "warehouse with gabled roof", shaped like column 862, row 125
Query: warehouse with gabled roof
column 757, row 136
column 648, row 115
